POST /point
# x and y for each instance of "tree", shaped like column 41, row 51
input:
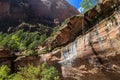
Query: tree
column 48, row 73
column 29, row 72
column 88, row 4
column 22, row 40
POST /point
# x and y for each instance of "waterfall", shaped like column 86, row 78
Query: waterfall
column 43, row 58
column 69, row 54
column 119, row 17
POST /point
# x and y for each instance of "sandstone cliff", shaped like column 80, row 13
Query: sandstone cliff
column 48, row 12
column 90, row 44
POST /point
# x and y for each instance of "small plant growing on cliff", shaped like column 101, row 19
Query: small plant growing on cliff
column 29, row 52
column 55, row 29
column 41, row 52
column 66, row 21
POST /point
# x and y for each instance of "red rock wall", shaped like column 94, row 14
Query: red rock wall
column 52, row 8
column 77, row 23
column 45, row 9
column 96, row 54
column 4, row 8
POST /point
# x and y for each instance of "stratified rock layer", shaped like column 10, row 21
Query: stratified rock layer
column 94, row 54
column 76, row 24
column 48, row 12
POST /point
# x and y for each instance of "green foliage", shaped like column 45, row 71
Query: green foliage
column 43, row 72
column 4, row 72
column 55, row 29
column 20, row 40
column 30, row 52
column 34, row 44
column 66, row 21
column 43, row 38
column 15, row 76
column 49, row 73
column 88, row 4
column 29, row 72
column 42, row 51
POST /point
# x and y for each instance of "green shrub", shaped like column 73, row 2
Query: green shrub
column 30, row 52
column 43, row 72
column 15, row 76
column 33, row 45
column 49, row 73
column 55, row 29
column 4, row 72
column 43, row 38
column 41, row 52
column 65, row 22
column 20, row 40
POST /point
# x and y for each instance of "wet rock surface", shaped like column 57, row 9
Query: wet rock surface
column 96, row 54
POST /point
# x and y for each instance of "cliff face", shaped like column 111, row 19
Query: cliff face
column 78, row 25
column 13, row 12
column 94, row 54
column 4, row 9
column 52, row 9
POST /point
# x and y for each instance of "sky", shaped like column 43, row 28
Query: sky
column 76, row 4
